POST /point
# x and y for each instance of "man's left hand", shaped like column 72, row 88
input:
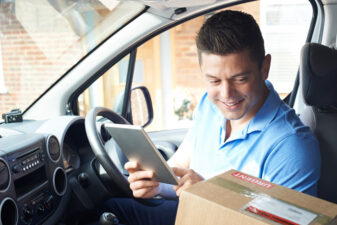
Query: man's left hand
column 187, row 178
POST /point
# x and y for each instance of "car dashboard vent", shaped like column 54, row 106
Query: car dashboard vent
column 4, row 175
column 53, row 148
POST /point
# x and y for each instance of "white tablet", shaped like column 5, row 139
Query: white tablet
column 137, row 146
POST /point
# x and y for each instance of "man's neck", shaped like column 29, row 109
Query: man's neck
column 233, row 126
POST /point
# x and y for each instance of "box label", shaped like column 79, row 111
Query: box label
column 253, row 180
column 279, row 211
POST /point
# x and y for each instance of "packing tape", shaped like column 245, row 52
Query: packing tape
column 247, row 192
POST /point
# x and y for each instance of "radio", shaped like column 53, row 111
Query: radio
column 28, row 162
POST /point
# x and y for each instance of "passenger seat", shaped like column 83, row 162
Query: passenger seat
column 318, row 78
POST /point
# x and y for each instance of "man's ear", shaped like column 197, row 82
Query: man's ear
column 266, row 66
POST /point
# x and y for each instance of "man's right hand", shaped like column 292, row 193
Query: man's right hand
column 141, row 181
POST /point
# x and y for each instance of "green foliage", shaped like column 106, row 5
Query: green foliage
column 183, row 111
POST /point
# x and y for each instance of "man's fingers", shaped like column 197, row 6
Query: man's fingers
column 143, row 184
column 178, row 191
column 181, row 183
column 145, row 193
column 183, row 174
column 187, row 178
column 141, row 175
column 132, row 166
column 180, row 172
column 141, row 181
column 186, row 184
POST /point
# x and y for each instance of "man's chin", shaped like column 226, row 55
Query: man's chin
column 232, row 116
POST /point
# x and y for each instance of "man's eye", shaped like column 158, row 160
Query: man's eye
column 214, row 81
column 241, row 79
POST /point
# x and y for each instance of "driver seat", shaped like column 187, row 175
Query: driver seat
column 318, row 77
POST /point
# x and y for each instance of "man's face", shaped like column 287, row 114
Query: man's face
column 235, row 83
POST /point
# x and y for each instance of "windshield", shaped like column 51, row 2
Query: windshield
column 42, row 39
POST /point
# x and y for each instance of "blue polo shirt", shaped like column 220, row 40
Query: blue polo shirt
column 274, row 145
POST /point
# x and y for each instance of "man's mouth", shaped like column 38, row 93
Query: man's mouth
column 232, row 104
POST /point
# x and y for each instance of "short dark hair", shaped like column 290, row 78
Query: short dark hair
column 229, row 32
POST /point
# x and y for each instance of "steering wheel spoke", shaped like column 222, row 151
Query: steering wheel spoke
column 107, row 152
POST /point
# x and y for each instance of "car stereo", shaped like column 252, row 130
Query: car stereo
column 27, row 162
column 36, row 181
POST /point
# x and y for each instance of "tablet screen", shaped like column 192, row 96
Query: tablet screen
column 137, row 146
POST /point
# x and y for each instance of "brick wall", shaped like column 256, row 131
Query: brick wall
column 31, row 62
column 186, row 60
column 19, row 53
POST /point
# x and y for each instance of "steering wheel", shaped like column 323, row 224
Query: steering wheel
column 109, row 160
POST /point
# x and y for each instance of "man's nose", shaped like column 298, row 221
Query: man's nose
column 226, row 90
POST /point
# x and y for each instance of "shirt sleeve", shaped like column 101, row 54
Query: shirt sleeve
column 294, row 163
column 167, row 191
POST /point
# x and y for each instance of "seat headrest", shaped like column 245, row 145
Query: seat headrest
column 318, row 71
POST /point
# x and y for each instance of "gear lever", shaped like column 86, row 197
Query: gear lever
column 108, row 218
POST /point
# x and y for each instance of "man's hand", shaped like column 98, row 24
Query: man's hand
column 141, row 182
column 187, row 178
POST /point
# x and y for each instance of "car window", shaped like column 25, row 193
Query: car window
column 107, row 91
column 284, row 25
column 41, row 40
column 168, row 64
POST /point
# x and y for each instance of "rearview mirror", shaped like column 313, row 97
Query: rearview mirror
column 141, row 106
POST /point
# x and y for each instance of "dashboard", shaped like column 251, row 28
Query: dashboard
column 37, row 160
column 50, row 175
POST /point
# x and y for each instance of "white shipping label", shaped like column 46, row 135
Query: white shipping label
column 279, row 211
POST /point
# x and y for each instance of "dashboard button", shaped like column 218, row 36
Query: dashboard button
column 17, row 169
column 27, row 212
column 48, row 203
column 40, row 209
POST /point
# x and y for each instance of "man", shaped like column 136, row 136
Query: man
column 240, row 123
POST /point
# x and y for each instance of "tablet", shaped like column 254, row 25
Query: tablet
column 137, row 146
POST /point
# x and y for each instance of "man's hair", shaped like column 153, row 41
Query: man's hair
column 231, row 32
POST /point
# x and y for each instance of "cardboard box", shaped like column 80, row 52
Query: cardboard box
column 235, row 198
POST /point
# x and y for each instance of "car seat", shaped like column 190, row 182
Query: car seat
column 318, row 77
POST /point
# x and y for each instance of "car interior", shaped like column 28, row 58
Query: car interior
column 58, row 164
column 317, row 71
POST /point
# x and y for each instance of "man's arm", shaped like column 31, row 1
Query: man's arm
column 180, row 164
column 294, row 163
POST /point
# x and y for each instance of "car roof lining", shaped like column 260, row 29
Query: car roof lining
column 170, row 12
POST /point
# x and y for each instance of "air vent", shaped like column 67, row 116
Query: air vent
column 8, row 212
column 60, row 181
column 4, row 175
column 53, row 148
